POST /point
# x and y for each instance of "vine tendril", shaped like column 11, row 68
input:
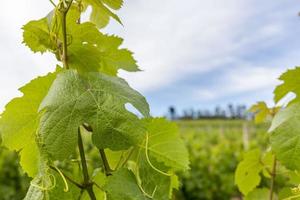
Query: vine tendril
column 148, row 159
column 43, row 188
column 66, row 189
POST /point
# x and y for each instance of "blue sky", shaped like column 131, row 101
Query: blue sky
column 195, row 53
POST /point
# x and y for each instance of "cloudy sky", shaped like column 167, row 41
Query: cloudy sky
column 194, row 53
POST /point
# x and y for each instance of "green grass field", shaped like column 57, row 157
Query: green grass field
column 215, row 147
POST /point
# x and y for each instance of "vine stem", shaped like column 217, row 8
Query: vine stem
column 64, row 12
column 273, row 175
column 86, row 179
column 105, row 162
column 52, row 2
column 107, row 168
column 87, row 183
column 65, row 42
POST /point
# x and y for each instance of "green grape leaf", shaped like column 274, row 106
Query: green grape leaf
column 90, row 50
column 261, row 111
column 123, row 185
column 101, row 12
column 287, row 193
column 258, row 194
column 284, row 116
column 290, row 83
column 247, row 173
column 268, row 162
column 35, row 192
column 155, row 184
column 117, row 157
column 84, row 57
column 58, row 193
column 36, row 35
column 19, row 122
column 165, row 144
column 114, row 4
column 96, row 99
column 41, row 184
column 285, row 136
column 50, row 185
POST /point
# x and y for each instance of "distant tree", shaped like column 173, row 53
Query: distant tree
column 241, row 112
column 207, row 114
column 223, row 114
column 218, row 112
column 186, row 115
column 231, row 111
column 193, row 114
column 172, row 112
column 199, row 114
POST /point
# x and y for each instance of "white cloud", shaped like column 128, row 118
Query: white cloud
column 18, row 64
column 172, row 40
column 243, row 79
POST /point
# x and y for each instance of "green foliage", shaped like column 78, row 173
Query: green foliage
column 258, row 194
column 215, row 149
column 88, row 48
column 95, row 99
column 247, row 173
column 210, row 143
column 284, row 141
column 262, row 112
column 20, row 120
column 285, row 126
column 120, row 155
column 285, row 138
column 36, row 35
column 103, row 51
column 123, row 185
column 13, row 182
column 162, row 137
column 290, row 84
column 101, row 11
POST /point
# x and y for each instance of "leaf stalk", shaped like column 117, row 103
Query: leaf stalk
column 273, row 175
column 64, row 11
column 107, row 168
column 87, row 183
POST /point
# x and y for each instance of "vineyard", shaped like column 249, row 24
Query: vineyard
column 82, row 132
column 209, row 143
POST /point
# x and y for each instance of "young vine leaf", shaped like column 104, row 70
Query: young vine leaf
column 101, row 12
column 154, row 181
column 258, row 194
column 285, row 136
column 284, row 130
column 123, row 185
column 290, row 83
column 162, row 137
column 88, row 48
column 20, row 120
column 96, row 99
column 247, row 173
column 262, row 113
column 36, row 36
